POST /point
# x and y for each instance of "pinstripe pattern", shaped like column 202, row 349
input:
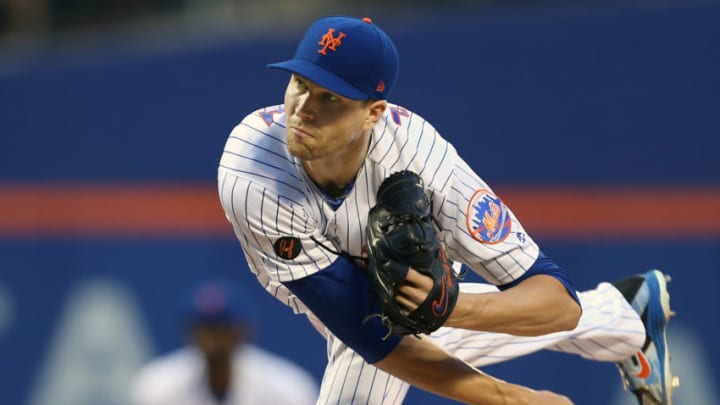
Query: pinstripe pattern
column 609, row 330
column 348, row 379
column 266, row 195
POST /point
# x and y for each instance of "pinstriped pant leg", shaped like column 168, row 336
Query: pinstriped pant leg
column 349, row 380
column 609, row 330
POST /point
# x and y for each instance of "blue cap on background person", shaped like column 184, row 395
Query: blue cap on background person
column 219, row 301
column 348, row 56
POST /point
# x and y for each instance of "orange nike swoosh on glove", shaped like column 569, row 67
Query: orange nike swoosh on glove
column 439, row 306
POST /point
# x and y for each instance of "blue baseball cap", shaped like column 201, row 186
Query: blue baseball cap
column 348, row 56
column 219, row 301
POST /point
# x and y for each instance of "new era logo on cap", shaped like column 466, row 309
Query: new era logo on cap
column 348, row 56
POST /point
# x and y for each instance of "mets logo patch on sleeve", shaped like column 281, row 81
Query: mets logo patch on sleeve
column 488, row 220
column 287, row 247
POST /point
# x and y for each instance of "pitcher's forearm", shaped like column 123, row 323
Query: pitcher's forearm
column 423, row 364
column 537, row 306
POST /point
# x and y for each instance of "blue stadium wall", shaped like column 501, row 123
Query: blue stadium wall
column 612, row 98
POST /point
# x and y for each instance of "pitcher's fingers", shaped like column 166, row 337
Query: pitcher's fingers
column 416, row 278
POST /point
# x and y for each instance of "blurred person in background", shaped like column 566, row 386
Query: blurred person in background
column 219, row 365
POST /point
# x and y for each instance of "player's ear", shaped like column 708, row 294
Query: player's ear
column 376, row 108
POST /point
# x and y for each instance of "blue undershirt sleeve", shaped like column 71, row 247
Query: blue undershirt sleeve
column 545, row 265
column 340, row 296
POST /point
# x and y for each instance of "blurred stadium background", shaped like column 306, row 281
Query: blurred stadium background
column 598, row 122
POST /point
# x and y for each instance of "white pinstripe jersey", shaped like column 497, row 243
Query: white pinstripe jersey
column 267, row 196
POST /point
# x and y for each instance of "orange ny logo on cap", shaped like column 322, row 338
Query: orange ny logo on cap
column 330, row 41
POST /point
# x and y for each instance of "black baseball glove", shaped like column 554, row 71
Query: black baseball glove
column 401, row 233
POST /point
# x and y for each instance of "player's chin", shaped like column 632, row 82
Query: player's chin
column 298, row 149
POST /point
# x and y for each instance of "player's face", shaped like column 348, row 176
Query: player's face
column 217, row 342
column 322, row 124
